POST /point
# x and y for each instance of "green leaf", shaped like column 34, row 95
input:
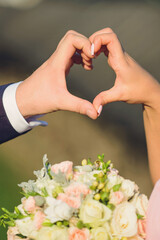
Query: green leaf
column 101, row 158
column 116, row 187
column 104, row 197
column 17, row 210
column 139, row 216
column 11, row 223
column 28, row 194
column 44, row 192
column 95, row 175
column 47, row 223
column 111, row 206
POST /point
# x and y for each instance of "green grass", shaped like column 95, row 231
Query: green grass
column 9, row 191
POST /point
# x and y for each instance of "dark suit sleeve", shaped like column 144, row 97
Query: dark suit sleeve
column 7, row 132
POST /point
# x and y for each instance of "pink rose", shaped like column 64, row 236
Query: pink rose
column 71, row 201
column 78, row 234
column 76, row 189
column 29, row 204
column 73, row 193
column 142, row 228
column 116, row 197
column 38, row 219
column 64, row 167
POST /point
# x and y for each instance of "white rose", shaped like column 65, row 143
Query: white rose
column 128, row 188
column 52, row 233
column 57, row 210
column 114, row 179
column 142, row 204
column 26, row 227
column 124, row 221
column 94, row 212
column 101, row 233
column 134, row 199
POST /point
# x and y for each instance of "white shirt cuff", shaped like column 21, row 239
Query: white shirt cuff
column 15, row 118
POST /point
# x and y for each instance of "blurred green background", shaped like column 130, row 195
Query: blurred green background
column 28, row 37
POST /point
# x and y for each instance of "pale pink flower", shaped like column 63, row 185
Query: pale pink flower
column 38, row 219
column 116, row 197
column 78, row 234
column 73, row 193
column 64, row 167
column 29, row 204
column 142, row 227
column 76, row 189
column 71, row 201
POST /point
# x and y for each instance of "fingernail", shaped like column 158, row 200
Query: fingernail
column 92, row 49
column 99, row 110
column 90, row 113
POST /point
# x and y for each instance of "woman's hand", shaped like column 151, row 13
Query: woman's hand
column 46, row 90
column 132, row 84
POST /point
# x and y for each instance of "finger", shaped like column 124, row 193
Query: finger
column 79, row 105
column 69, row 32
column 89, row 63
column 85, row 57
column 112, row 95
column 88, row 68
column 112, row 43
column 104, row 30
column 70, row 44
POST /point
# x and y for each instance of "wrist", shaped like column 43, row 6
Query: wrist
column 24, row 100
column 153, row 99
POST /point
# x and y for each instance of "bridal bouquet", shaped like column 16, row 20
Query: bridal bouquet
column 87, row 202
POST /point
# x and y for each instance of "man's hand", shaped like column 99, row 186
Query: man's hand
column 46, row 90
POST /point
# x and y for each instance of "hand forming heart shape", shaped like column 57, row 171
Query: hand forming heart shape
column 46, row 90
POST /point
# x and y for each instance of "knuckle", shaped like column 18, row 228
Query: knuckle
column 96, row 38
column 70, row 32
column 108, row 29
column 114, row 36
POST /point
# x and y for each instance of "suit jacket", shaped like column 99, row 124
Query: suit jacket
column 7, row 132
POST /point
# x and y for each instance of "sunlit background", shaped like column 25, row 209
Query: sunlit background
column 29, row 33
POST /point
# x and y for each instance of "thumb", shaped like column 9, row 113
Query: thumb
column 79, row 105
column 111, row 95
